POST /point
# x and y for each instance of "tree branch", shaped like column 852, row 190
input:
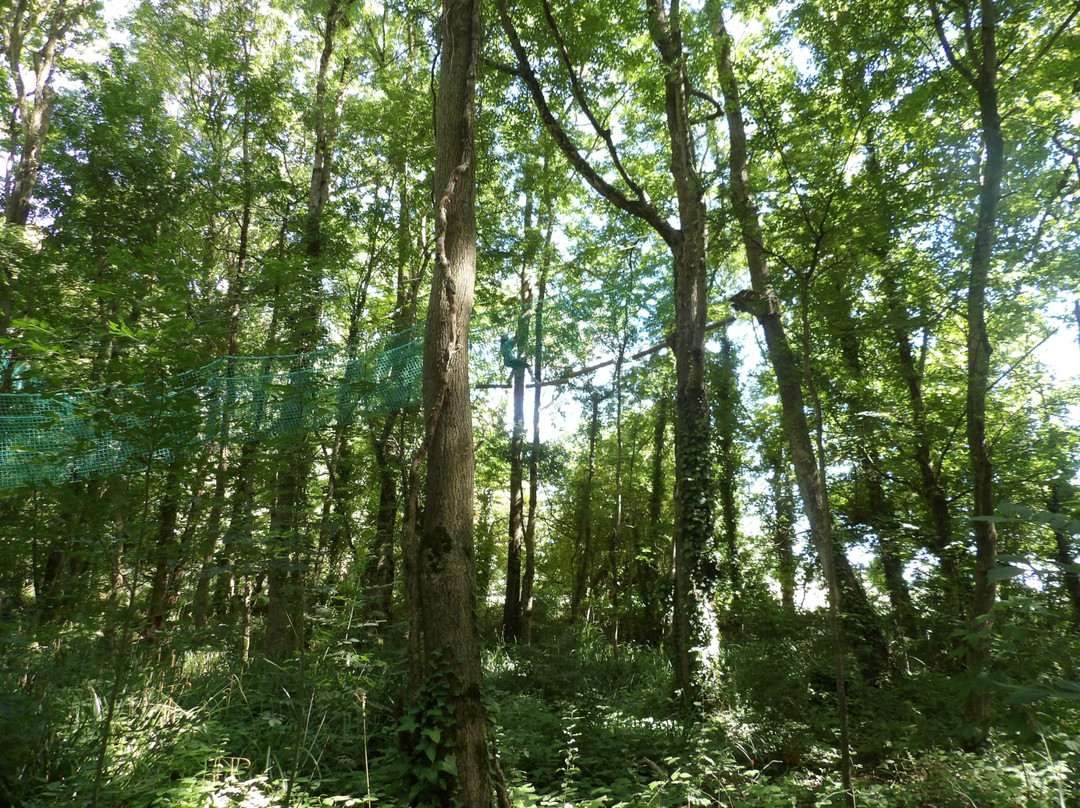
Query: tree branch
column 583, row 104
column 640, row 208
column 939, row 26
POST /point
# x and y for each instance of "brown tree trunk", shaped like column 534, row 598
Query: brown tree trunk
column 446, row 561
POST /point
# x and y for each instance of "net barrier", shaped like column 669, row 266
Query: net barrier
column 64, row 437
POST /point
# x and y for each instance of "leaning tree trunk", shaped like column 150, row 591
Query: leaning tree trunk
column 761, row 301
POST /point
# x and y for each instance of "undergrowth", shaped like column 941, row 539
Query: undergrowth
column 575, row 723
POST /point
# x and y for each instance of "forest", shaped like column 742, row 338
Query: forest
column 540, row 403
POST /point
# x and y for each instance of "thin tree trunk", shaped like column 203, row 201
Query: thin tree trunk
column 534, row 455
column 512, row 604
column 380, row 572
column 647, row 574
column 980, row 71
column 585, row 546
column 235, row 296
column 166, row 552
column 615, row 536
column 727, row 412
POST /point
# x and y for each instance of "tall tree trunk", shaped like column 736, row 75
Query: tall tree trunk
column 512, row 604
column 695, row 568
column 288, row 546
column 585, row 536
column 235, row 298
column 761, row 302
column 529, row 576
column 695, row 572
column 615, row 537
column 980, row 71
column 446, row 559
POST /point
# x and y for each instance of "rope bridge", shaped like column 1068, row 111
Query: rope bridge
column 65, row 437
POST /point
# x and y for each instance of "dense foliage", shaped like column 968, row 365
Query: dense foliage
column 853, row 576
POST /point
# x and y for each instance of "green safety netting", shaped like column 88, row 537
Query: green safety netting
column 65, row 437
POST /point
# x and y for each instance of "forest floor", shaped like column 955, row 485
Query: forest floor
column 575, row 722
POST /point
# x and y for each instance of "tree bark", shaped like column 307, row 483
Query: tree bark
column 696, row 570
column 446, row 557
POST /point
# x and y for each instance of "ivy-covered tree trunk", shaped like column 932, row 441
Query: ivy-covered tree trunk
column 695, row 565
column 696, row 570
